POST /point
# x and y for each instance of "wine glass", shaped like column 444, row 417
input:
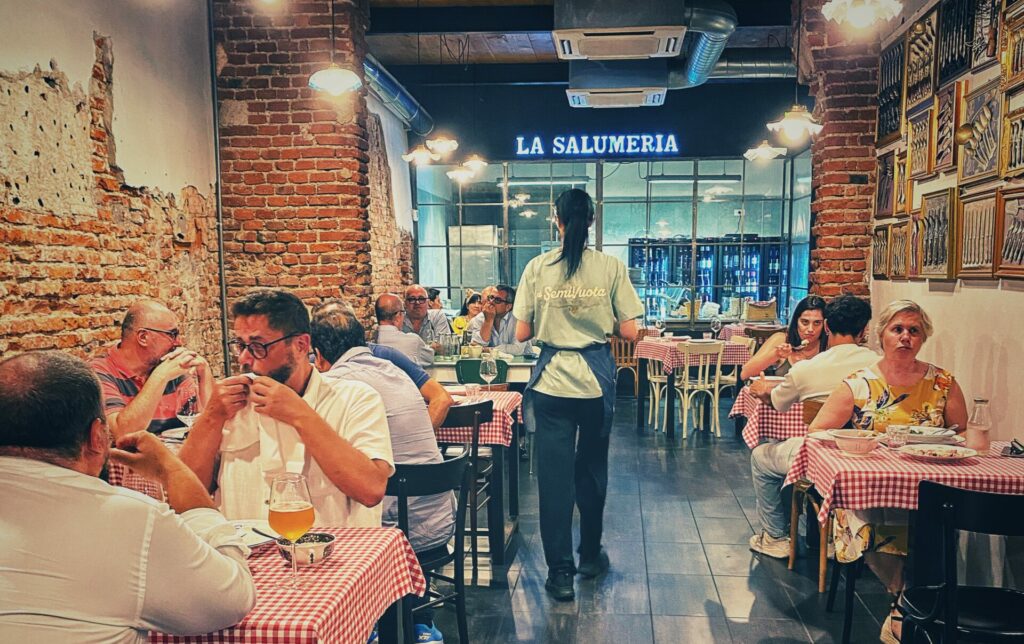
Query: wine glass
column 291, row 513
column 488, row 369
column 188, row 404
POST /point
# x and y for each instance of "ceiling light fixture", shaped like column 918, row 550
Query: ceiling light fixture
column 522, row 197
column 420, row 155
column 461, row 175
column 763, row 152
column 553, row 181
column 797, row 124
column 861, row 14
column 474, row 163
column 442, row 145
column 333, row 79
column 529, row 214
column 688, row 178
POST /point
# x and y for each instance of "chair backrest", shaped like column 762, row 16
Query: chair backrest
column 465, row 415
column 702, row 356
column 746, row 341
column 467, row 370
column 623, row 352
column 811, row 409
column 655, row 369
column 432, row 478
column 761, row 334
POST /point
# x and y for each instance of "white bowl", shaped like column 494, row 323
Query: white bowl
column 854, row 441
column 310, row 549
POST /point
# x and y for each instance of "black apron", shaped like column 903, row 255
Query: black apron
column 599, row 358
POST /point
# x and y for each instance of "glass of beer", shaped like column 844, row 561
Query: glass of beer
column 291, row 513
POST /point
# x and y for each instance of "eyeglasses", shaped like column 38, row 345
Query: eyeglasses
column 173, row 334
column 496, row 300
column 415, row 300
column 258, row 350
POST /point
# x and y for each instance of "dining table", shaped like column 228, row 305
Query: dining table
column 764, row 423
column 342, row 598
column 501, row 434
column 666, row 351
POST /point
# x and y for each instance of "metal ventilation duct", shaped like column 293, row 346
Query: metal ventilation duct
column 396, row 98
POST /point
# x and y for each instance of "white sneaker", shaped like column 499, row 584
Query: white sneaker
column 769, row 545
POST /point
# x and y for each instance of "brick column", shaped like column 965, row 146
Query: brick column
column 842, row 74
column 293, row 161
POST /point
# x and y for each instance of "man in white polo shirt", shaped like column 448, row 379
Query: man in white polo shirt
column 846, row 319
column 288, row 419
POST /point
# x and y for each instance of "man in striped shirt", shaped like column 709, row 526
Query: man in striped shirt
column 142, row 375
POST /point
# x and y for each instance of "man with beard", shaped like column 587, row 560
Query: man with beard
column 142, row 375
column 281, row 417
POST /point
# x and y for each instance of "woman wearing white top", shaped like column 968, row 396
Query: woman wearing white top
column 571, row 300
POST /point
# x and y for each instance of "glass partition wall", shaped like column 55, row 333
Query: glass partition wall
column 717, row 230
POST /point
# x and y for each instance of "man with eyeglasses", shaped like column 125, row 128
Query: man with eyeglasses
column 279, row 416
column 391, row 318
column 142, row 375
column 495, row 326
column 430, row 324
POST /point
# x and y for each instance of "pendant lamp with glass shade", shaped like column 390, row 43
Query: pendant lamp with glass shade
column 420, row 155
column 764, row 152
column 797, row 123
column 861, row 14
column 474, row 163
column 442, row 145
column 333, row 79
column 460, row 175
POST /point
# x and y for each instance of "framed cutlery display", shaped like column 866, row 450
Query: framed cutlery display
column 902, row 186
column 880, row 252
column 985, row 41
column 890, row 92
column 975, row 234
column 898, row 244
column 933, row 236
column 954, row 49
column 914, row 246
column 980, row 155
column 1013, row 52
column 1009, row 251
column 1011, row 156
column 947, row 117
column 885, row 185
column 919, row 143
column 920, row 57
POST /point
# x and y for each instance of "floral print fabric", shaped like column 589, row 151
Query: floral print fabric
column 877, row 404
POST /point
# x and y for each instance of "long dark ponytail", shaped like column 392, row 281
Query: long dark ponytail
column 575, row 211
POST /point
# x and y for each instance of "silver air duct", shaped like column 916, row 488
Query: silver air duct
column 396, row 98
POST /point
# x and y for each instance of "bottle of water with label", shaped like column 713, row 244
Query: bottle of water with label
column 978, row 427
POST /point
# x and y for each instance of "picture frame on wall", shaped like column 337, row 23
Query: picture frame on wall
column 1011, row 153
column 1013, row 52
column 954, row 47
column 932, row 239
column 1009, row 252
column 880, row 252
column 902, row 186
column 919, row 143
column 982, row 110
column 920, row 74
column 898, row 246
column 885, row 185
column 976, row 235
column 890, row 92
column 947, row 119
column 985, row 41
column 913, row 246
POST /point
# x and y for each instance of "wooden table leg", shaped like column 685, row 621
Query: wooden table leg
column 641, row 396
column 513, row 471
column 496, row 503
column 670, row 405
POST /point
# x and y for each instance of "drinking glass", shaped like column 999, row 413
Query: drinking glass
column 188, row 406
column 897, row 435
column 472, row 391
column 488, row 369
column 708, row 335
column 291, row 514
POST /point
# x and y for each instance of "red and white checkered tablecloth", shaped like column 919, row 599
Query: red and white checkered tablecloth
column 665, row 351
column 124, row 477
column 729, row 330
column 370, row 569
column 881, row 479
column 507, row 410
column 648, row 332
column 764, row 423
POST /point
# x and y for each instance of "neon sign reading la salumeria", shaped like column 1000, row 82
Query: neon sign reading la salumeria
column 598, row 144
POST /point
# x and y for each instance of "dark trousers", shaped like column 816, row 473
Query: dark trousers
column 426, row 615
column 559, row 421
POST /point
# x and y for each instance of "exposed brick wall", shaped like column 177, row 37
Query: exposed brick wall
column 294, row 161
column 77, row 246
column 843, row 76
column 390, row 250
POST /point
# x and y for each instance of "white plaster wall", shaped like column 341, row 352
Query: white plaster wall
column 163, row 121
column 396, row 141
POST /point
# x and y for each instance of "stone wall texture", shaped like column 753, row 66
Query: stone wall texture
column 842, row 73
column 77, row 245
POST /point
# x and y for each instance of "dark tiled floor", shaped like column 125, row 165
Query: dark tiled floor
column 676, row 528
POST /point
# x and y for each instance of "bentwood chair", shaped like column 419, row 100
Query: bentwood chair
column 730, row 377
column 699, row 375
column 804, row 495
column 946, row 611
column 625, row 359
column 481, row 467
column 424, row 480
column 811, row 409
column 657, row 381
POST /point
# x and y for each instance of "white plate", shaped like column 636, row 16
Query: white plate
column 937, row 453
column 702, row 341
column 250, row 538
column 930, row 440
column 178, row 434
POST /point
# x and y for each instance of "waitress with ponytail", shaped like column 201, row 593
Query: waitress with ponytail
column 570, row 300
